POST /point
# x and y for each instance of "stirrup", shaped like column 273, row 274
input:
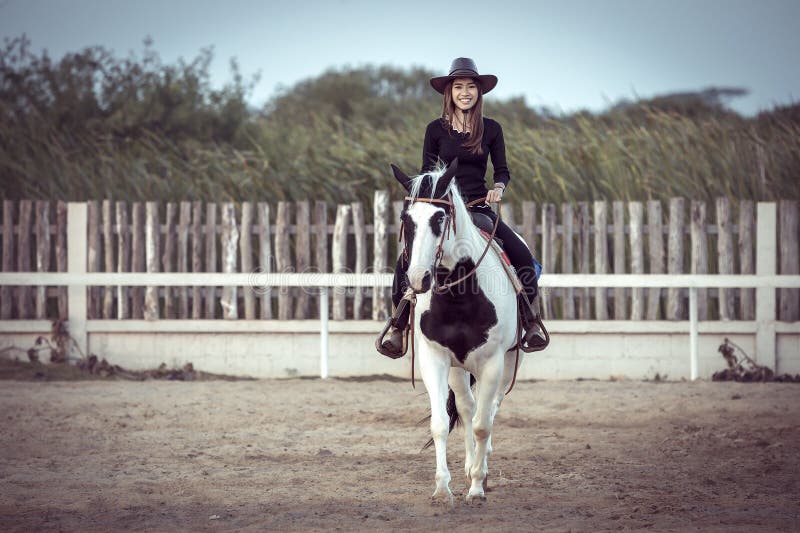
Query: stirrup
column 385, row 351
column 397, row 313
column 538, row 347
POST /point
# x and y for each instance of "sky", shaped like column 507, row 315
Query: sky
column 562, row 54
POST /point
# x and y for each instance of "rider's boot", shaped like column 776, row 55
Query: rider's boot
column 536, row 337
column 391, row 341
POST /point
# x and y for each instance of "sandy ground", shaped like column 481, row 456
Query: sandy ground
column 345, row 455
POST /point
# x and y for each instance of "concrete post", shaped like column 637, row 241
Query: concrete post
column 693, row 334
column 766, row 262
column 323, row 333
column 76, row 264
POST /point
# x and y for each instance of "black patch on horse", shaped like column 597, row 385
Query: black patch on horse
column 461, row 318
column 409, row 229
column 436, row 222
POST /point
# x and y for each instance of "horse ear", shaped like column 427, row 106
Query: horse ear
column 404, row 180
column 446, row 179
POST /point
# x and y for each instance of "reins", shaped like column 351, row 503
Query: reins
column 440, row 289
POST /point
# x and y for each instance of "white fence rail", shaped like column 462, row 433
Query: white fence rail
column 77, row 279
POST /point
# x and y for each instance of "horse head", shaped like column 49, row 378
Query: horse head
column 426, row 221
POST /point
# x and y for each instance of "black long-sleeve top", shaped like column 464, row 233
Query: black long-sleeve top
column 445, row 143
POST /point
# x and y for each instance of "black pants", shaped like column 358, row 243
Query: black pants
column 518, row 253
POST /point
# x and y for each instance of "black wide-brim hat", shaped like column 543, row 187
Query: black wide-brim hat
column 464, row 67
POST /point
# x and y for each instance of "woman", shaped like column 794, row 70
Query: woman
column 463, row 132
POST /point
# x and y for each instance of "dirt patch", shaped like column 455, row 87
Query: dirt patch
column 345, row 455
column 99, row 369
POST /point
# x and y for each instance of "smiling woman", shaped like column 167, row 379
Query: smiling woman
column 463, row 134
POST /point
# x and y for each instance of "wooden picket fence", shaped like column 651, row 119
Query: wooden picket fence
column 680, row 236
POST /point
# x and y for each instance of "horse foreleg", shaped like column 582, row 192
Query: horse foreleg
column 465, row 404
column 434, row 374
column 489, row 382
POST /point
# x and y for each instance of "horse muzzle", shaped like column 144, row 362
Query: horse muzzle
column 420, row 280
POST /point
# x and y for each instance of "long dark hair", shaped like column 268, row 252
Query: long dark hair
column 475, row 120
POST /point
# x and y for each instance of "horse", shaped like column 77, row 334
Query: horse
column 464, row 329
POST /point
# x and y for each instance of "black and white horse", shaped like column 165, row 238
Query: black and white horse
column 466, row 329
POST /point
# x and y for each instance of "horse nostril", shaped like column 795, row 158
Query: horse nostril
column 426, row 282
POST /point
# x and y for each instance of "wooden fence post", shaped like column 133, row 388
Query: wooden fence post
column 766, row 262
column 93, row 257
column 123, row 258
column 789, row 301
column 184, row 223
column 340, row 259
column 137, row 257
column 601, row 257
column 8, row 257
column 549, row 251
column 302, row 255
column 246, row 254
column 151, row 237
column 655, row 239
column 211, row 258
column 197, row 257
column 42, row 253
column 360, row 232
column 725, row 256
column 567, row 259
column 675, row 307
column 77, row 218
column 636, row 215
column 264, row 257
column 747, row 264
column 230, row 244
column 283, row 259
column 320, row 235
column 584, row 259
column 380, row 246
column 24, row 301
column 529, row 227
column 699, row 253
column 620, row 301
column 61, row 255
column 108, row 257
column 168, row 252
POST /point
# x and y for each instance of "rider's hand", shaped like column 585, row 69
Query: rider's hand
column 494, row 196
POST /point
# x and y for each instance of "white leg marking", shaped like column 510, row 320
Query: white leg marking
column 490, row 380
column 434, row 368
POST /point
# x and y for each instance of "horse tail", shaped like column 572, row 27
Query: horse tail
column 452, row 411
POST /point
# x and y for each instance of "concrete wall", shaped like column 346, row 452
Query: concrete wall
column 272, row 349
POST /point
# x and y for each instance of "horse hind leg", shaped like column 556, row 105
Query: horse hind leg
column 489, row 383
column 508, row 377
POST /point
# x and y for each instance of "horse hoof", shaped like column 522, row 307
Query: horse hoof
column 443, row 499
column 476, row 499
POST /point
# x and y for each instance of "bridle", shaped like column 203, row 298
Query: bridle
column 450, row 220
